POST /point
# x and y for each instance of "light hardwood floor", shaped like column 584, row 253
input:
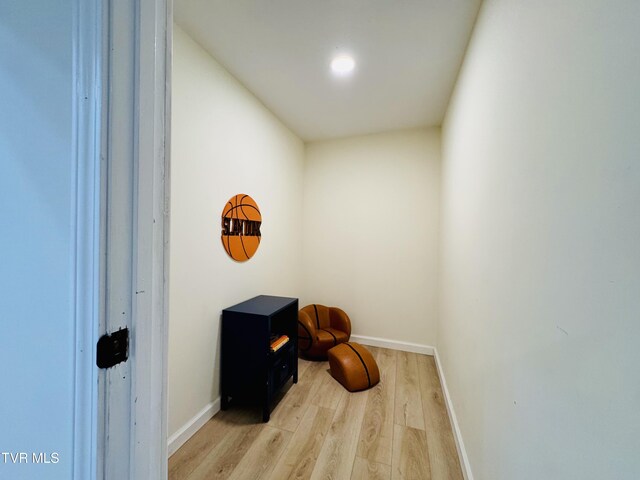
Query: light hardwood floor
column 397, row 430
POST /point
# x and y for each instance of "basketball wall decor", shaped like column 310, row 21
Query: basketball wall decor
column 241, row 220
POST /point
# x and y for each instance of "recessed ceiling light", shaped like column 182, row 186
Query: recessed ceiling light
column 342, row 65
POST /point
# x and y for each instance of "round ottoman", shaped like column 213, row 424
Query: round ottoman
column 353, row 366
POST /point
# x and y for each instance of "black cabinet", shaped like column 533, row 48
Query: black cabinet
column 250, row 371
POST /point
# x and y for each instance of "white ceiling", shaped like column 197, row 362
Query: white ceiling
column 407, row 52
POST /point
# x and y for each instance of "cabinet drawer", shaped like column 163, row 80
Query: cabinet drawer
column 280, row 371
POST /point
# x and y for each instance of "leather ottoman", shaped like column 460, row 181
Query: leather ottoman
column 353, row 366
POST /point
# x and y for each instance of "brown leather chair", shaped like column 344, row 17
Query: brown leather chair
column 321, row 328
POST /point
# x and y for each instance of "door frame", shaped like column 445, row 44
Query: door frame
column 131, row 76
column 151, row 241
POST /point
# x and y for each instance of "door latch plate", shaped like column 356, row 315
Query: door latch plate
column 113, row 348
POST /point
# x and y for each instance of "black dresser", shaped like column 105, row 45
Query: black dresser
column 250, row 370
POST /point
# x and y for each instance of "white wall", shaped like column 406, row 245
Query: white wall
column 371, row 217
column 540, row 310
column 224, row 142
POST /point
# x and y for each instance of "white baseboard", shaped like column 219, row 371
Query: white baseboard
column 462, row 452
column 393, row 344
column 192, row 426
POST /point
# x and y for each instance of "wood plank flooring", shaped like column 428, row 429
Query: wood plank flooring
column 397, row 430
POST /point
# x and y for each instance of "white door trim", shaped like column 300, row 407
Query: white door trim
column 151, row 241
column 132, row 428
column 86, row 131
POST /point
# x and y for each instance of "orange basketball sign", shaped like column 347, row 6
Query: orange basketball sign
column 241, row 222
